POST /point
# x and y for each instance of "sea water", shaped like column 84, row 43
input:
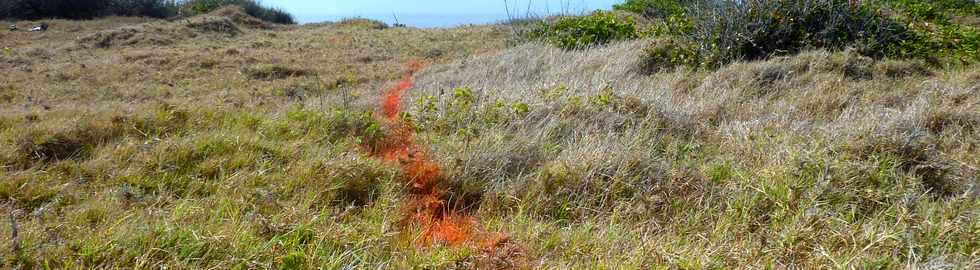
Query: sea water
column 413, row 20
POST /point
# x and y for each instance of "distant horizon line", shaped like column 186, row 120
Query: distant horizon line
column 429, row 20
column 416, row 20
column 432, row 14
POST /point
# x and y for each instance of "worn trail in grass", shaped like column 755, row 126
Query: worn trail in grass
column 430, row 207
column 426, row 207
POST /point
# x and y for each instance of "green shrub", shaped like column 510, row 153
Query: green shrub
column 668, row 53
column 932, row 34
column 670, row 16
column 730, row 31
column 37, row 9
column 727, row 31
column 919, row 10
column 147, row 8
column 680, row 25
column 944, row 42
column 935, row 9
column 581, row 32
column 293, row 260
column 653, row 8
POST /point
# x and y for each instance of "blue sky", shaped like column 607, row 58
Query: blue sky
column 305, row 8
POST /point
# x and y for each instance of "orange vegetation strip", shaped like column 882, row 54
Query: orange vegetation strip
column 427, row 207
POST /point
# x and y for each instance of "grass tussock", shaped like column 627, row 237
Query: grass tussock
column 272, row 72
column 224, row 23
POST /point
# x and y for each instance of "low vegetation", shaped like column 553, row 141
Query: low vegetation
column 820, row 159
column 933, row 33
column 224, row 141
column 722, row 32
column 87, row 9
column 252, row 7
column 598, row 28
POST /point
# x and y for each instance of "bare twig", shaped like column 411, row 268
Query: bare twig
column 510, row 18
column 14, row 240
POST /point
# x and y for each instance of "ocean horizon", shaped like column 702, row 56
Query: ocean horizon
column 415, row 20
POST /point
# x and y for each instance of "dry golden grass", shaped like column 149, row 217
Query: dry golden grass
column 820, row 159
column 214, row 59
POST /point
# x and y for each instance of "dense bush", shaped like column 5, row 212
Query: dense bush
column 666, row 53
column 956, row 43
column 936, row 8
column 722, row 31
column 87, row 9
column 933, row 35
column 581, row 32
column 72, row 9
column 653, row 8
column 147, row 8
column 756, row 29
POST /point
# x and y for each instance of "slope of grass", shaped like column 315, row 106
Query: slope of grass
column 142, row 143
column 88, row 9
column 821, row 159
column 223, row 142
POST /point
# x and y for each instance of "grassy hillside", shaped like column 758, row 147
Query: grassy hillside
column 88, row 9
column 222, row 141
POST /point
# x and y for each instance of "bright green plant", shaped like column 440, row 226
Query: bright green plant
column 674, row 25
column 935, row 8
column 602, row 99
column 598, row 28
column 932, row 35
column 653, row 8
column 293, row 260
column 520, row 108
column 960, row 44
column 920, row 10
column 667, row 53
